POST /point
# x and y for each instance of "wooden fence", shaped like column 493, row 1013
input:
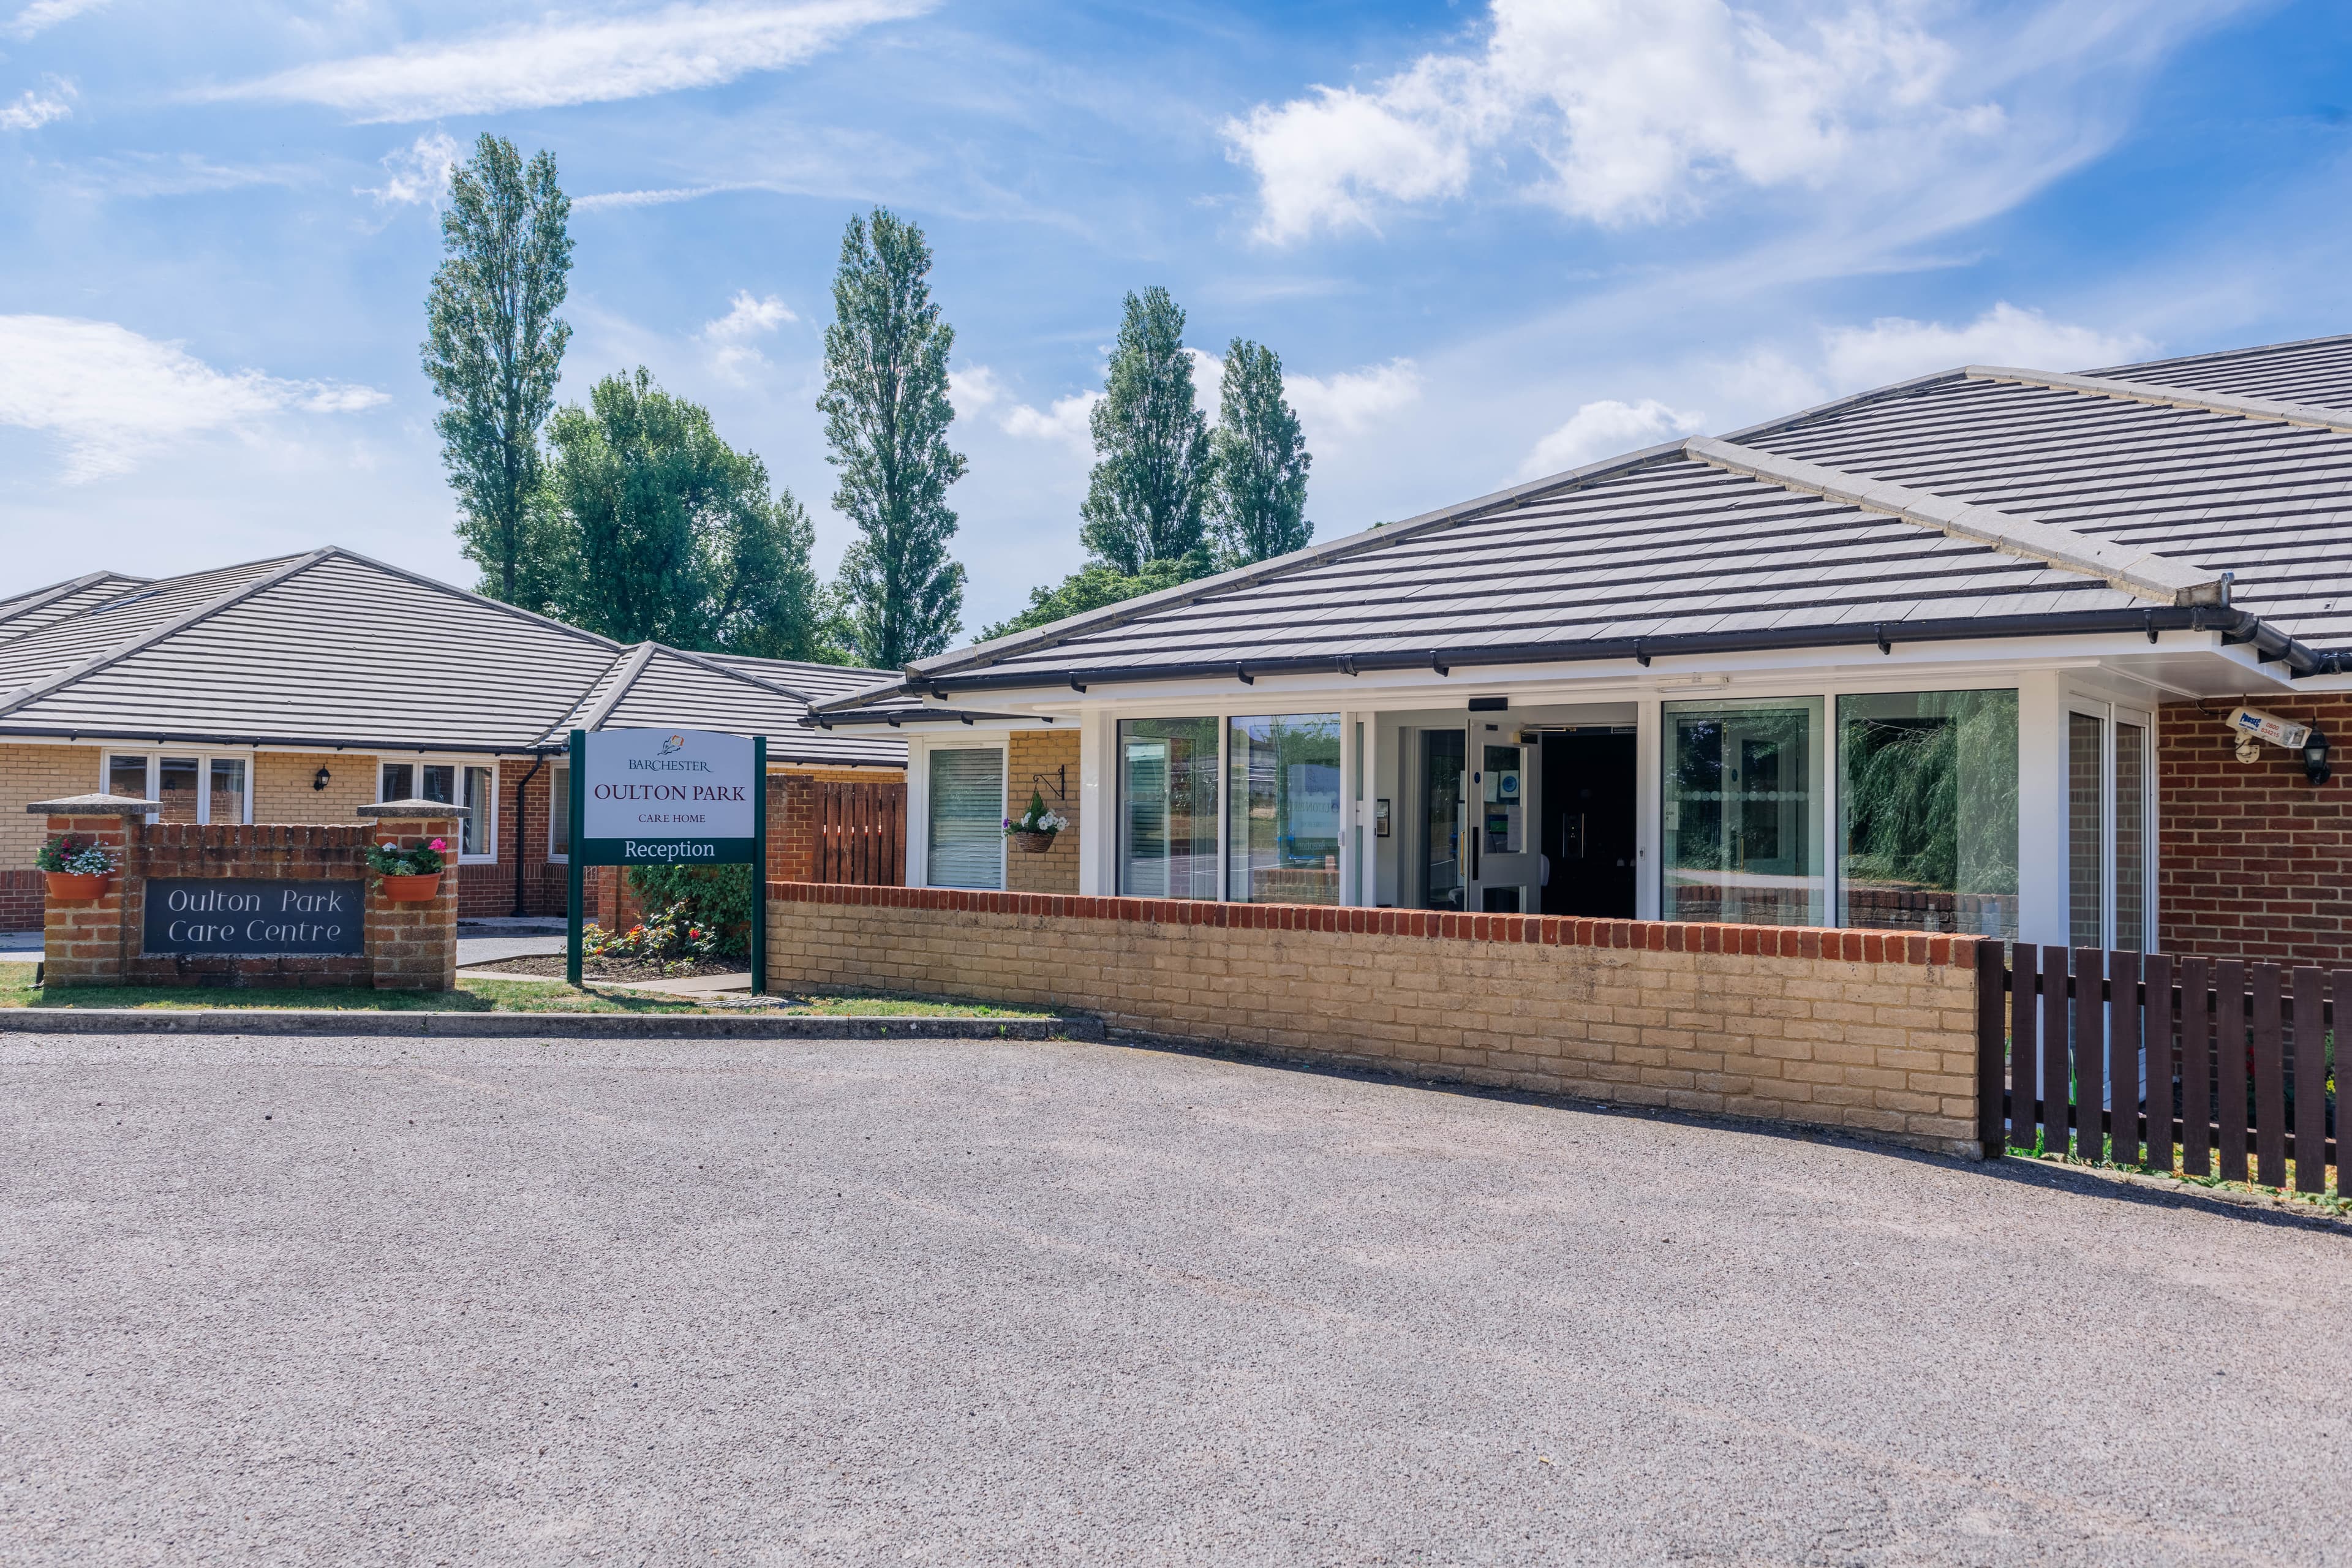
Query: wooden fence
column 2141, row 1056
column 861, row 833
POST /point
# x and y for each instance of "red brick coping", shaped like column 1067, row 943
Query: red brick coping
column 1550, row 931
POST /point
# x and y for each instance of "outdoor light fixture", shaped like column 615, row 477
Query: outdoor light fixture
column 2314, row 756
column 319, row 780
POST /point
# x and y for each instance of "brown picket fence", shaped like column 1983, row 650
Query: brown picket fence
column 2216, row 1068
column 861, row 833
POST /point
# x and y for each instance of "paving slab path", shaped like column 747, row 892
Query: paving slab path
column 411, row 1302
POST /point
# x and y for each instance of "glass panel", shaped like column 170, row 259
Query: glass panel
column 1168, row 808
column 227, row 801
column 127, row 777
column 1927, row 809
column 559, row 810
column 397, row 781
column 439, row 781
column 2131, row 838
column 178, row 778
column 1442, row 754
column 1742, row 814
column 967, row 819
column 2085, row 832
column 1282, row 830
column 474, row 833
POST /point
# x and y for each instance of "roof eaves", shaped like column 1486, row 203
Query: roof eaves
column 11, row 701
column 2162, row 397
column 2143, row 572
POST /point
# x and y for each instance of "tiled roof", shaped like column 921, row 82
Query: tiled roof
column 2317, row 371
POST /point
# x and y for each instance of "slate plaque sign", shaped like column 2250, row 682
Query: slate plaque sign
column 247, row 917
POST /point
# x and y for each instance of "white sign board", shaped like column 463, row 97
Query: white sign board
column 666, row 796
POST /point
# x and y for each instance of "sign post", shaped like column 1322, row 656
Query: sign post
column 668, row 797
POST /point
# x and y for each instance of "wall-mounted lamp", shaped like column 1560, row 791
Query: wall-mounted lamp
column 319, row 780
column 2314, row 756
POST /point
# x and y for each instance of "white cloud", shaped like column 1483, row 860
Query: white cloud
column 731, row 337
column 651, row 198
column 1068, row 420
column 973, row 388
column 1640, row 110
column 112, row 396
column 1893, row 348
column 575, row 59
column 37, row 106
column 1335, row 407
column 42, row 14
column 416, row 172
column 1606, row 429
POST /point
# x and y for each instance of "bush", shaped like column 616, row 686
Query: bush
column 713, row 898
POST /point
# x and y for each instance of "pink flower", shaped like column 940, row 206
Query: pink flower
column 440, row 843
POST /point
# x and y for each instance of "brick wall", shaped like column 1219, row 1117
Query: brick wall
column 28, row 773
column 21, row 895
column 1029, row 754
column 2254, row 862
column 283, row 781
column 1869, row 1032
column 404, row 946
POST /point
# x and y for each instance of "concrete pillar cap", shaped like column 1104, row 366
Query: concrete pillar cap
column 93, row 806
column 439, row 810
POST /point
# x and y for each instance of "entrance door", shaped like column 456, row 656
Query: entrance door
column 1587, row 790
column 1506, row 839
column 1441, row 789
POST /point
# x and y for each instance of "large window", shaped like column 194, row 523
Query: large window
column 1168, row 808
column 2108, row 825
column 183, row 788
column 966, row 840
column 1742, row 813
column 454, row 784
column 1282, row 805
column 1927, row 812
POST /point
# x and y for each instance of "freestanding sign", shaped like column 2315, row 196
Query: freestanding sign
column 671, row 797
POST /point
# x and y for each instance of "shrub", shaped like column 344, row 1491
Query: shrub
column 714, row 898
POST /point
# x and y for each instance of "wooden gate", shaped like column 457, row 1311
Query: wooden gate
column 2138, row 1055
column 861, row 833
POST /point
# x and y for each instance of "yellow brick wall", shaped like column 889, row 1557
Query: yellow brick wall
column 28, row 773
column 1883, row 1049
column 1030, row 754
column 283, row 792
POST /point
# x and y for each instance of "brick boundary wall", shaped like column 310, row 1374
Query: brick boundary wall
column 22, row 895
column 1869, row 1032
column 404, row 946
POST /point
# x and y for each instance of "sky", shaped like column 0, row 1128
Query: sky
column 1489, row 242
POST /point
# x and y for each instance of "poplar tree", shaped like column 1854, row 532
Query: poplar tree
column 493, row 345
column 1258, row 495
column 887, row 416
column 1152, row 445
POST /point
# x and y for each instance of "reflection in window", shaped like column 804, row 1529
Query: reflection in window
column 2131, row 838
column 2085, row 831
column 127, row 777
column 177, row 781
column 1442, row 770
column 559, row 811
column 967, row 819
column 474, row 832
column 227, row 792
column 1927, row 799
column 1168, row 808
column 1742, row 813
column 1282, row 829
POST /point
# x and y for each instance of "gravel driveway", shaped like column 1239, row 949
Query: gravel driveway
column 352, row 1302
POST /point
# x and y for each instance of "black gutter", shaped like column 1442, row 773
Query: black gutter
column 2238, row 627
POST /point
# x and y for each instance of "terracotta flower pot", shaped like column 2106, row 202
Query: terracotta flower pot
column 1032, row 842
column 412, row 889
column 71, row 887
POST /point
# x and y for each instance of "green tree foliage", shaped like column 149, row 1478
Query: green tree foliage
column 492, row 348
column 1152, row 456
column 663, row 531
column 1094, row 588
column 887, row 416
column 1258, row 495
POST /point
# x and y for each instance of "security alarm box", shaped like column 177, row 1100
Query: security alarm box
column 2255, row 724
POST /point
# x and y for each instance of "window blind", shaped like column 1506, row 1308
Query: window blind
column 967, row 819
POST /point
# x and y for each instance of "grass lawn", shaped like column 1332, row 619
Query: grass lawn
column 473, row 996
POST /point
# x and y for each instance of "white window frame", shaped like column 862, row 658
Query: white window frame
column 918, row 823
column 2111, row 715
column 559, row 808
column 459, row 762
column 204, row 757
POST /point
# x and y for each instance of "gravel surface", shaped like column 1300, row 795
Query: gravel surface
column 356, row 1301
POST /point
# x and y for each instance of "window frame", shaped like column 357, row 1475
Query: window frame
column 918, row 850
column 559, row 809
column 205, row 756
column 2111, row 716
column 457, row 764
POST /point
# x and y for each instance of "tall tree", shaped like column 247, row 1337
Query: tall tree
column 886, row 416
column 1258, row 491
column 667, row 532
column 1152, row 445
column 492, row 347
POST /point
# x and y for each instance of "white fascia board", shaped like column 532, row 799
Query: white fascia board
column 913, row 725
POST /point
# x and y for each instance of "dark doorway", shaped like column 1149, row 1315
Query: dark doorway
column 1588, row 829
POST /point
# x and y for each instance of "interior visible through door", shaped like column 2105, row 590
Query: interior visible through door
column 1588, row 796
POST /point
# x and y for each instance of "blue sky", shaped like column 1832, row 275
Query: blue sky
column 1488, row 242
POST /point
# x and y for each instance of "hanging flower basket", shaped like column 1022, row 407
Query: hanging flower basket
column 409, row 876
column 1032, row 842
column 1032, row 831
column 69, row 886
column 418, row 890
column 76, row 867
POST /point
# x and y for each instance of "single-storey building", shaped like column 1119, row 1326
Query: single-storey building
column 1957, row 655
column 297, row 688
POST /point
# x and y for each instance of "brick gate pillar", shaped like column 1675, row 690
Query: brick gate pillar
column 82, row 939
column 414, row 946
